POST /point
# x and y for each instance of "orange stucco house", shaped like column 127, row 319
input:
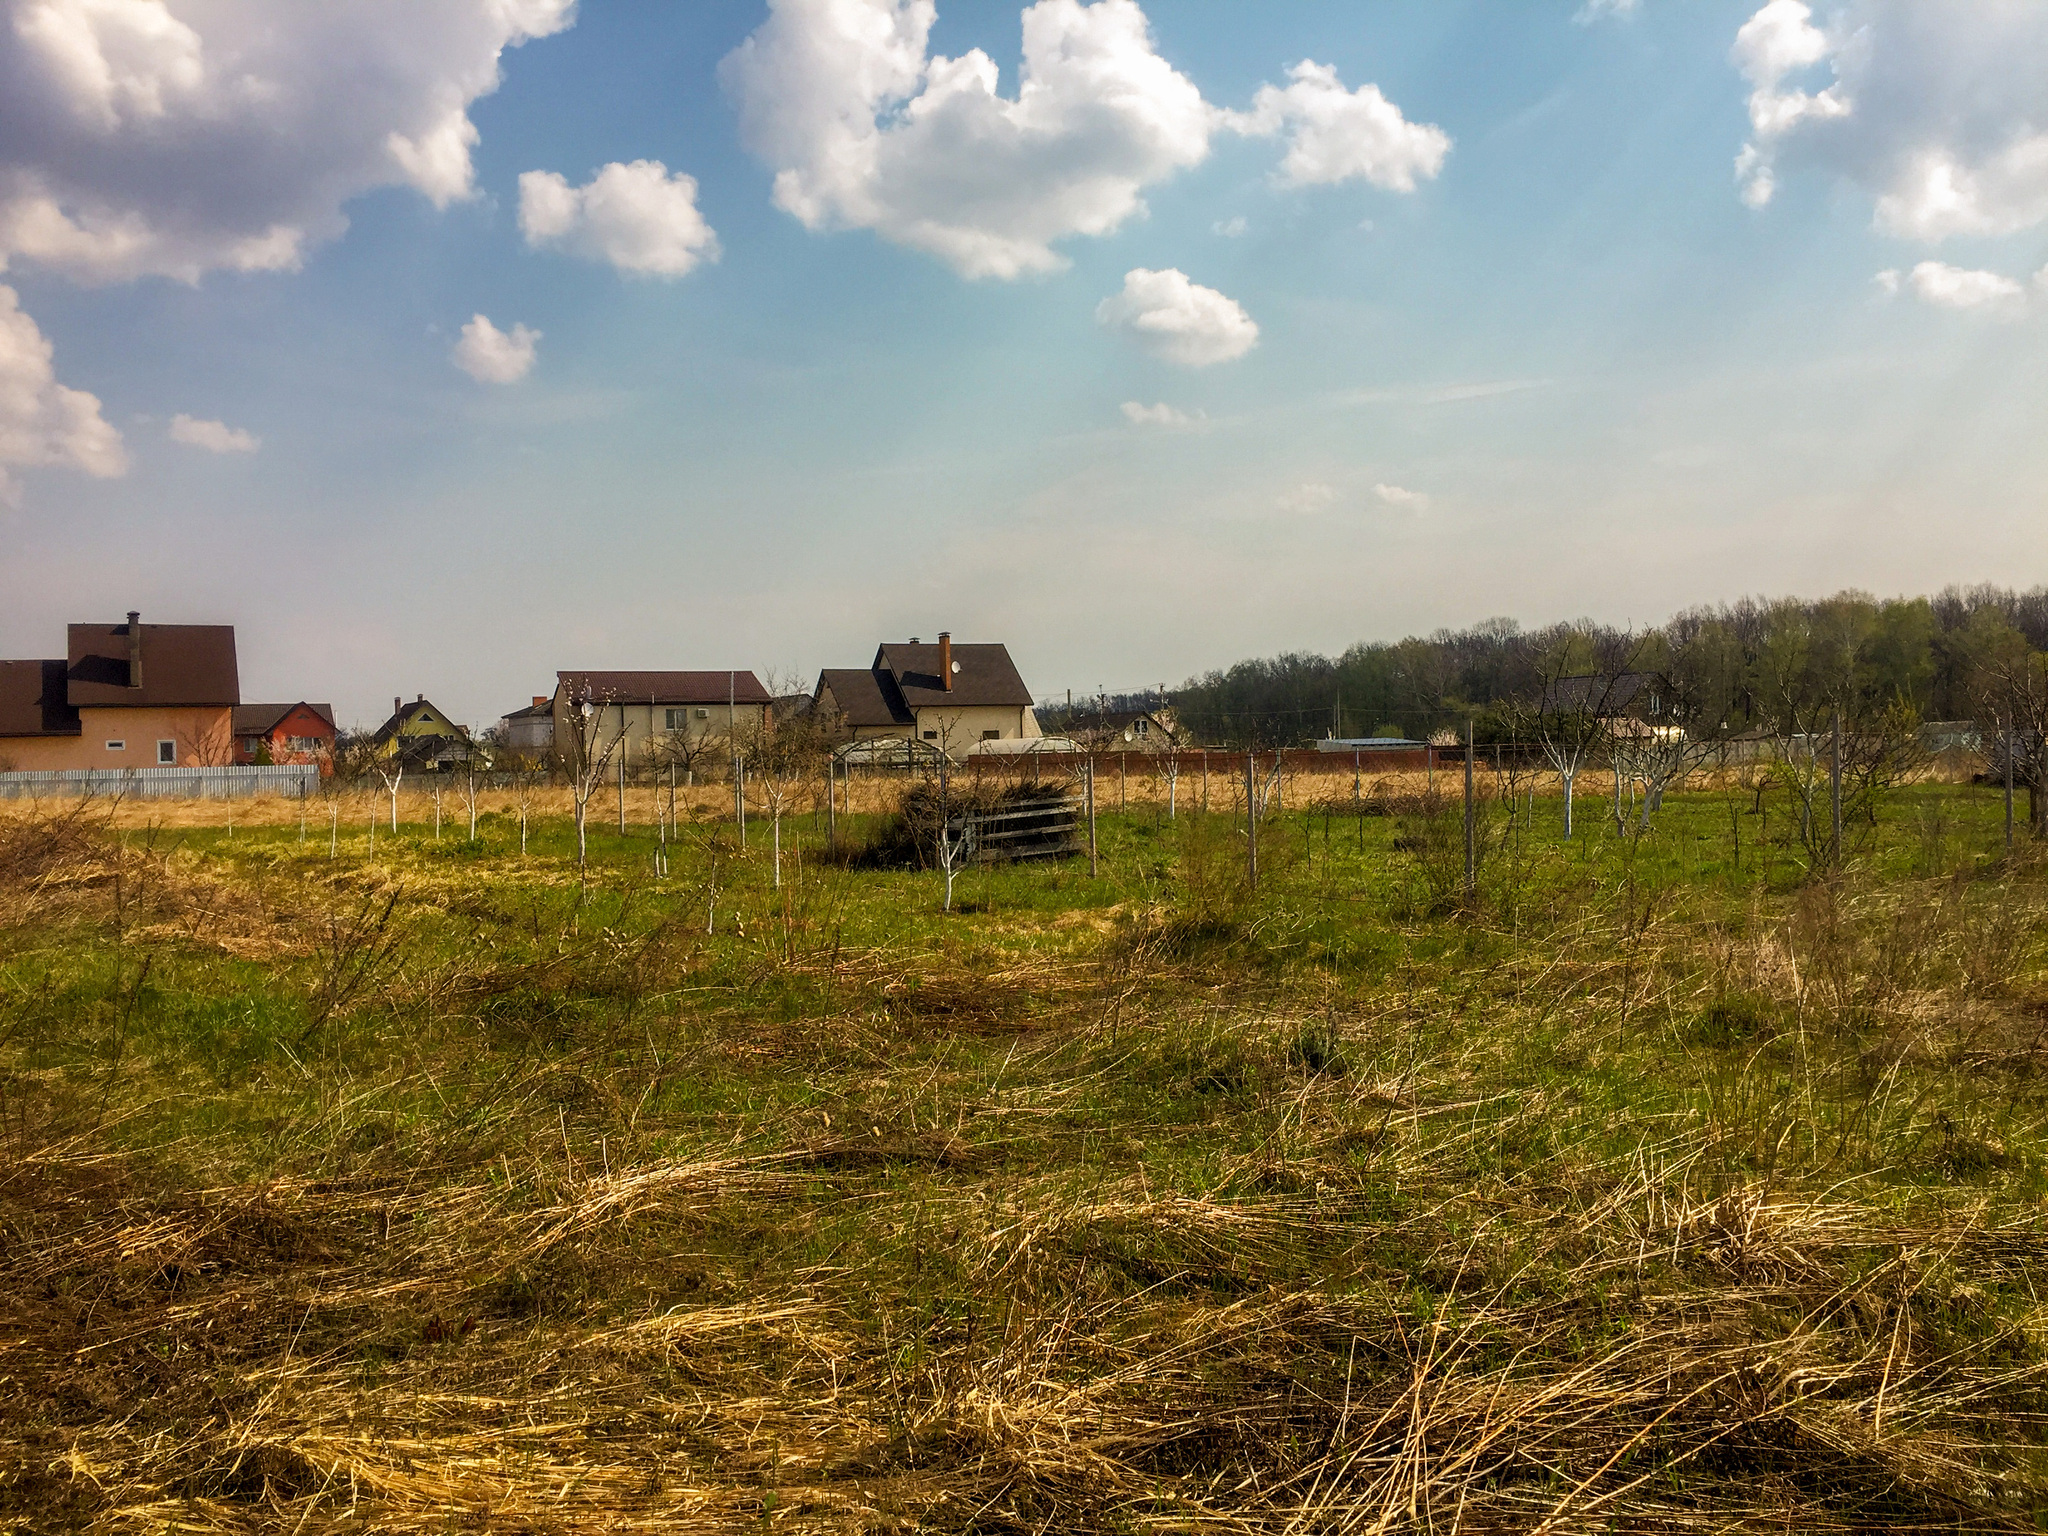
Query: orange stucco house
column 130, row 695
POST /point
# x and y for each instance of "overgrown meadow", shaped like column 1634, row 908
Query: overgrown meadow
column 1665, row 1182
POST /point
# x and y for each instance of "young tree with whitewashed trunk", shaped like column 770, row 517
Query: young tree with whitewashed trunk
column 470, row 787
column 392, row 777
column 587, row 744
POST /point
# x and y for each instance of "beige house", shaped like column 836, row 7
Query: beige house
column 689, row 719
column 130, row 695
column 951, row 697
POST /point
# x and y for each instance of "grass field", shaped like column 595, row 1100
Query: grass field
column 1662, row 1185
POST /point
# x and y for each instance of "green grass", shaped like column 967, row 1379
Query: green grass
column 1663, row 1183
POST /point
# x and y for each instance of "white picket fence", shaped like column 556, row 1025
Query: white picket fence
column 292, row 780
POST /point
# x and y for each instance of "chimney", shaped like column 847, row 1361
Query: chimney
column 134, row 649
column 396, row 705
column 538, row 701
column 946, row 660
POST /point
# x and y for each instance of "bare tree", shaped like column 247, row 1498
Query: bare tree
column 2012, row 685
column 469, row 785
column 392, row 776
column 955, row 852
column 587, row 744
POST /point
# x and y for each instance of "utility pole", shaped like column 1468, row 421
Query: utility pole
column 1471, row 844
column 831, row 802
column 622, row 770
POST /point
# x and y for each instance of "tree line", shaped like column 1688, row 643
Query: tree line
column 1948, row 657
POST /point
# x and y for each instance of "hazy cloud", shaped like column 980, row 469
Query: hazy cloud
column 1179, row 320
column 637, row 217
column 492, row 356
column 1230, row 229
column 1308, row 499
column 213, row 436
column 1400, row 496
column 1160, row 415
column 41, row 421
column 1597, row 10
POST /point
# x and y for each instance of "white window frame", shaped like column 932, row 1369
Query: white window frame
column 117, row 746
column 167, row 753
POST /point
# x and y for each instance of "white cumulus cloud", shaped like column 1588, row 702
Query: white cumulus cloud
column 1138, row 414
column 1947, row 287
column 213, row 436
column 1337, row 135
column 868, row 129
column 1400, row 496
column 1934, row 110
column 638, row 217
column 492, row 356
column 1179, row 320
column 41, row 421
column 177, row 137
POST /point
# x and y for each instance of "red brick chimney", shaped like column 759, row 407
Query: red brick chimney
column 538, row 701
column 946, row 660
column 134, row 649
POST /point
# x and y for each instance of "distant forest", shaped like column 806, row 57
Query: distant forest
column 1748, row 664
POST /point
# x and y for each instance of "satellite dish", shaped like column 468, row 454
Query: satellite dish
column 956, row 666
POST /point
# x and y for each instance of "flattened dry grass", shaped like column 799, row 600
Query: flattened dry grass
column 566, row 1216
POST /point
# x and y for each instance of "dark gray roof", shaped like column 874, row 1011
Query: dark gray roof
column 987, row 676
column 865, row 698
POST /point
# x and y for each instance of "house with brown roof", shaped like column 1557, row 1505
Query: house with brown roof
column 950, row 697
column 130, row 695
column 285, row 733
column 679, row 718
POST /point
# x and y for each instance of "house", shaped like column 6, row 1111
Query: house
column 1152, row 729
column 529, row 734
column 948, row 696
column 678, row 718
column 284, row 733
column 130, row 695
column 421, row 736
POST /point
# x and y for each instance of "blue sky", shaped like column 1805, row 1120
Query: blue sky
column 1567, row 362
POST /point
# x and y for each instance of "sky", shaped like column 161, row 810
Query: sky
column 439, row 345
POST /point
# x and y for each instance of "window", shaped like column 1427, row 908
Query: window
column 1141, row 726
column 167, row 753
column 251, row 743
column 928, row 736
column 991, row 735
column 117, row 746
column 303, row 743
column 677, row 719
